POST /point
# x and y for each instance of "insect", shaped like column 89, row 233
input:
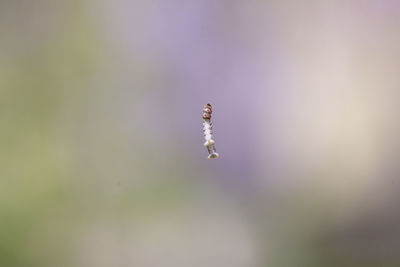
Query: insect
column 207, row 130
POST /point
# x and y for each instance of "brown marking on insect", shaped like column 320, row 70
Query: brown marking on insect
column 207, row 111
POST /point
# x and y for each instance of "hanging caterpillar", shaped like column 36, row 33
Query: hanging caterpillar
column 207, row 130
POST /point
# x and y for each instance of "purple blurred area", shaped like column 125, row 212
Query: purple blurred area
column 102, row 162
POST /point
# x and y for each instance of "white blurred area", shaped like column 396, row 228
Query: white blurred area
column 335, row 124
column 206, row 235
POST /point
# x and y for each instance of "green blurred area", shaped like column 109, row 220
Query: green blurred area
column 38, row 88
column 55, row 169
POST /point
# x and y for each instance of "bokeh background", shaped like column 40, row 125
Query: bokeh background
column 101, row 156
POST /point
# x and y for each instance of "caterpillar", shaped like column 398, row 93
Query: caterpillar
column 208, row 130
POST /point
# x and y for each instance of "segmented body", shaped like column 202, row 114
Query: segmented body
column 207, row 130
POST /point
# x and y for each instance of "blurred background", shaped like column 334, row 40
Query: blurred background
column 101, row 155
